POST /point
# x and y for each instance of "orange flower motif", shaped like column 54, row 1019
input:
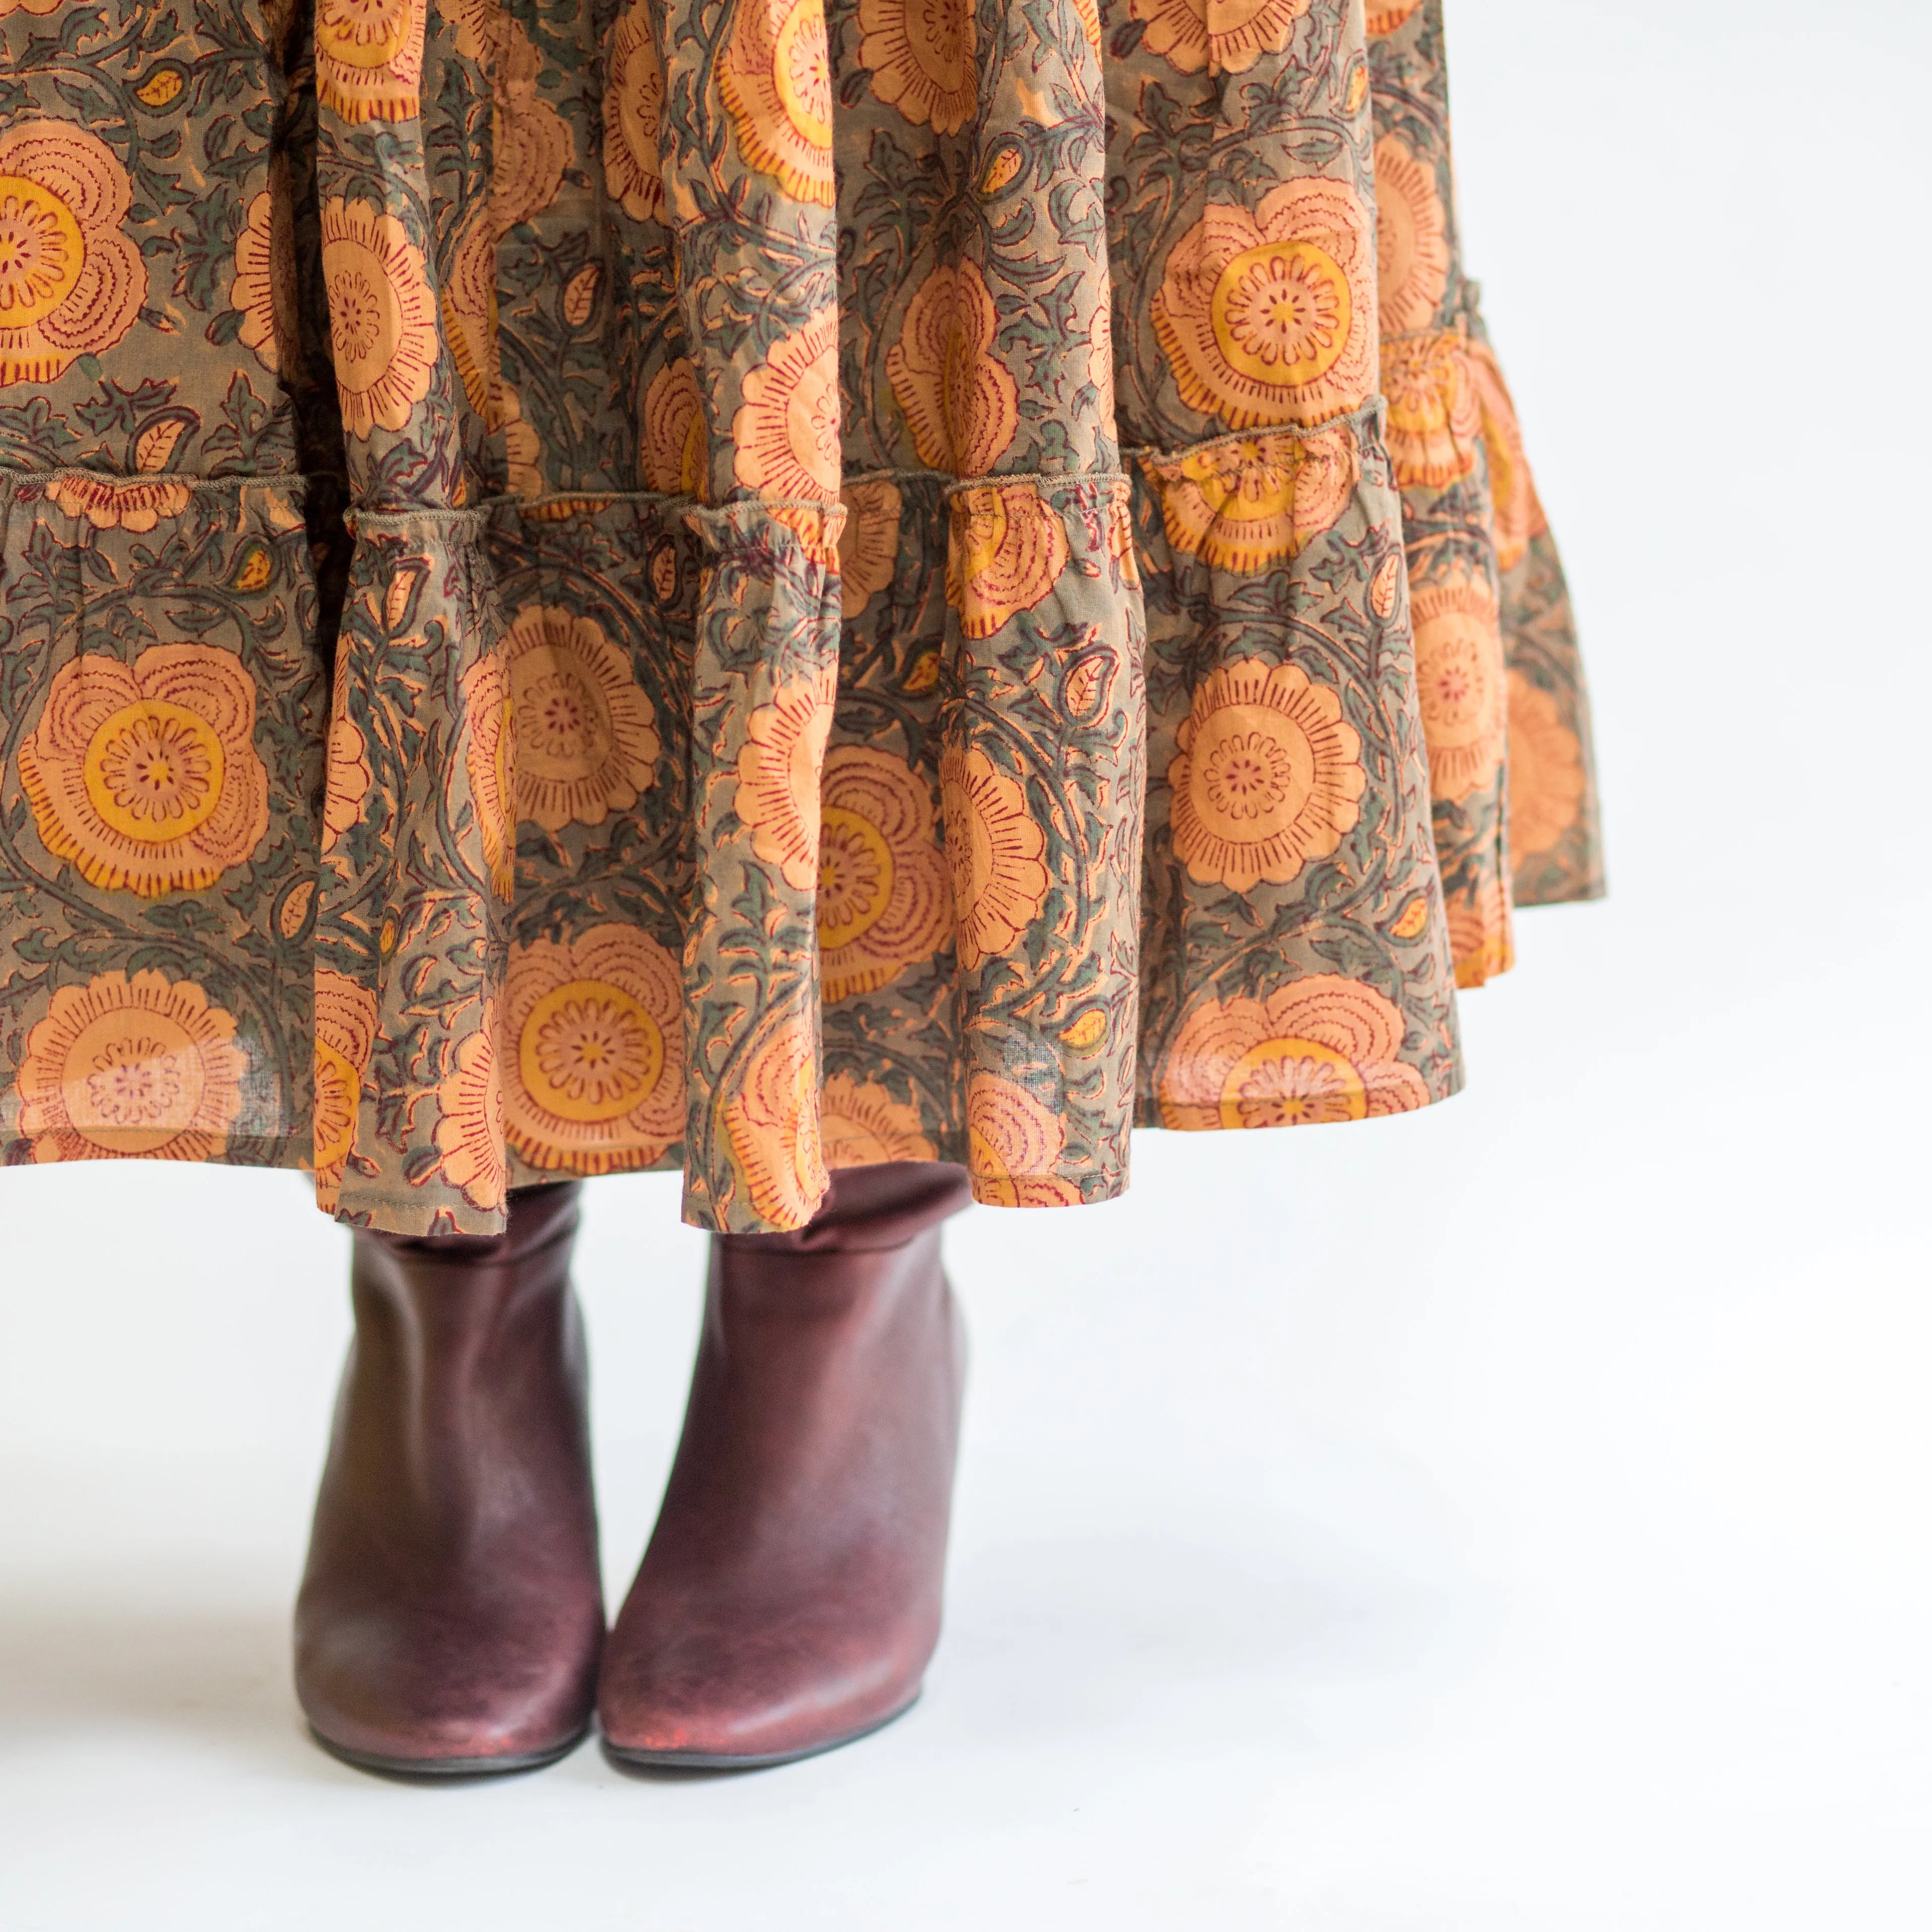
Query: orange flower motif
column 1412, row 258
column 145, row 776
column 920, row 55
column 1008, row 549
column 787, row 429
column 778, row 772
column 587, row 741
column 71, row 284
column 489, row 740
column 776, row 76
column 1384, row 16
column 1433, row 418
column 145, row 1068
column 594, row 1038
column 884, row 899
column 1321, row 1049
column 369, row 58
column 1222, row 36
column 1547, row 778
column 264, row 288
column 1520, row 520
column 868, row 545
column 633, row 101
column 862, row 1124
column 349, row 777
column 1014, row 1143
column 1268, row 777
column 469, row 305
column 1459, row 673
column 469, row 1135
column 1270, row 317
column 772, row 1127
column 119, row 502
column 381, row 316
column 960, row 400
column 1482, row 939
column 531, row 143
column 347, row 1019
column 1247, row 506
column 677, row 451
column 27, row 6
column 995, row 854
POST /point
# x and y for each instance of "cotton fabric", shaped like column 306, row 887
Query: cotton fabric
column 750, row 586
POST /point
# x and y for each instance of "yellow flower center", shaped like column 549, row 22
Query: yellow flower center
column 589, row 1052
column 41, row 251
column 1239, row 484
column 801, row 70
column 363, row 33
column 1281, row 314
column 855, row 878
column 154, row 771
column 1285, row 1083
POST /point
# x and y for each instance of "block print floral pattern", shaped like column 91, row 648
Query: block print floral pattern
column 1489, row 619
column 71, row 278
column 750, row 586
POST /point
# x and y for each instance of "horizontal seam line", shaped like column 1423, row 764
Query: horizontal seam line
column 264, row 480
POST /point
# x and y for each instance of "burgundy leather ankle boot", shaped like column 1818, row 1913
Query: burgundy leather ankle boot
column 450, row 1616
column 790, row 1599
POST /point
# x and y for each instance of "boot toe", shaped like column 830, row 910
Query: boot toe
column 725, row 1700
column 424, row 1702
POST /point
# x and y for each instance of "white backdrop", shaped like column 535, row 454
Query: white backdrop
column 1514, row 1516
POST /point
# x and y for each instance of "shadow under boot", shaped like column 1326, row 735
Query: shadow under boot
column 451, row 1615
column 790, row 1599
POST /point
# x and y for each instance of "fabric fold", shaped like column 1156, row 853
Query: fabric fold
column 161, row 706
column 1295, row 959
column 1041, row 778
column 764, row 682
column 419, row 866
column 760, row 723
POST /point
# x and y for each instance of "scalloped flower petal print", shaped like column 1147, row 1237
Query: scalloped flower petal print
column 751, row 588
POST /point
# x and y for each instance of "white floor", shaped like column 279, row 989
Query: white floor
column 1517, row 1515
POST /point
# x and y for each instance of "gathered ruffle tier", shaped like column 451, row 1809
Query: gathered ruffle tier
column 163, row 705
column 908, row 772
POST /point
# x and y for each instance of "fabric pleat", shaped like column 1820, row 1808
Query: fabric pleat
column 753, row 587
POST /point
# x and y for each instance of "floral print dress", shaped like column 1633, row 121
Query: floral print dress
column 750, row 585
